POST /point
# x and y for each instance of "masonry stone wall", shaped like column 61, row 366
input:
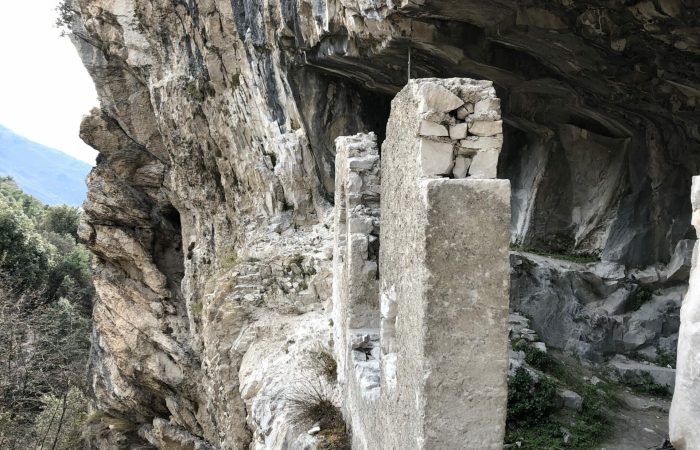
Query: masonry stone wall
column 356, row 221
column 425, row 366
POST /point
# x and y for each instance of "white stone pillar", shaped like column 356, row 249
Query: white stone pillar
column 684, row 418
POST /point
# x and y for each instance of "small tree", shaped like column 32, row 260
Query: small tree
column 66, row 14
column 62, row 219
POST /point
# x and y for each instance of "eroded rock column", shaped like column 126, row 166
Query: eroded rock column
column 684, row 418
column 441, row 358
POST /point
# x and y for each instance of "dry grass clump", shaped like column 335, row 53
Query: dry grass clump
column 312, row 406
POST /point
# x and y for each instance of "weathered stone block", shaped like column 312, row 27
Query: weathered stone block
column 464, row 111
column 482, row 143
column 459, row 131
column 436, row 98
column 428, row 128
column 487, row 105
column 484, row 164
column 486, row 128
column 461, row 167
column 435, row 157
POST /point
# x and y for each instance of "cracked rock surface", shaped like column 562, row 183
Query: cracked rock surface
column 209, row 207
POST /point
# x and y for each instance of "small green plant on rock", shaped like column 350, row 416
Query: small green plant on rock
column 535, row 420
column 229, row 260
column 665, row 358
column 297, row 259
column 641, row 296
column 534, row 356
column 530, row 401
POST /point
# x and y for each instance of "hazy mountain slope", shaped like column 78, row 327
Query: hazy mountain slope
column 46, row 173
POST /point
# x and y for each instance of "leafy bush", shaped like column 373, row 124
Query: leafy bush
column 530, row 401
column 45, row 306
column 665, row 358
column 536, row 425
column 641, row 296
column 60, row 423
column 534, row 356
column 66, row 14
column 62, row 219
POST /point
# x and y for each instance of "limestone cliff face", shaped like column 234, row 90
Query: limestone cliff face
column 209, row 207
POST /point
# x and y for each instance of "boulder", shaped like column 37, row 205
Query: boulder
column 679, row 266
column 570, row 399
column 634, row 372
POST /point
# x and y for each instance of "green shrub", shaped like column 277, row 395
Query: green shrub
column 535, row 357
column 534, row 422
column 530, row 401
column 665, row 358
column 641, row 296
column 62, row 219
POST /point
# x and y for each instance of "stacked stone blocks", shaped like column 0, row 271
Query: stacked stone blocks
column 430, row 371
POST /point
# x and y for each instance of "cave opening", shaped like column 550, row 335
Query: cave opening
column 333, row 106
column 167, row 247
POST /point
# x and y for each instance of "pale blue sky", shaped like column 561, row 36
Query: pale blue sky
column 44, row 89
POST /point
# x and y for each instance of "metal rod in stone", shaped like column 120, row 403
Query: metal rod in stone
column 409, row 62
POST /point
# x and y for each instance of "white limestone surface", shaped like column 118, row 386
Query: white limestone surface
column 684, row 417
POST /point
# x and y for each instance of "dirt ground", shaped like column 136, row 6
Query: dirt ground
column 641, row 424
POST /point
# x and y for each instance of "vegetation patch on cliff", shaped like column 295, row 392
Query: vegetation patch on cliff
column 45, row 305
column 537, row 419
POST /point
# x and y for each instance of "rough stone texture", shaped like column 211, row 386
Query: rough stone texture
column 434, row 374
column 632, row 372
column 216, row 130
column 684, row 419
column 355, row 258
column 596, row 310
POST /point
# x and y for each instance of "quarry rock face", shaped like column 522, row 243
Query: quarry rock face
column 210, row 211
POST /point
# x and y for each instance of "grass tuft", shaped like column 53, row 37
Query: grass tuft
column 311, row 405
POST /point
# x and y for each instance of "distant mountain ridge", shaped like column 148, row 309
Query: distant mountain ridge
column 43, row 172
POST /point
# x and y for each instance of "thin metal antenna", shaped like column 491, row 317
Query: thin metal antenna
column 409, row 62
